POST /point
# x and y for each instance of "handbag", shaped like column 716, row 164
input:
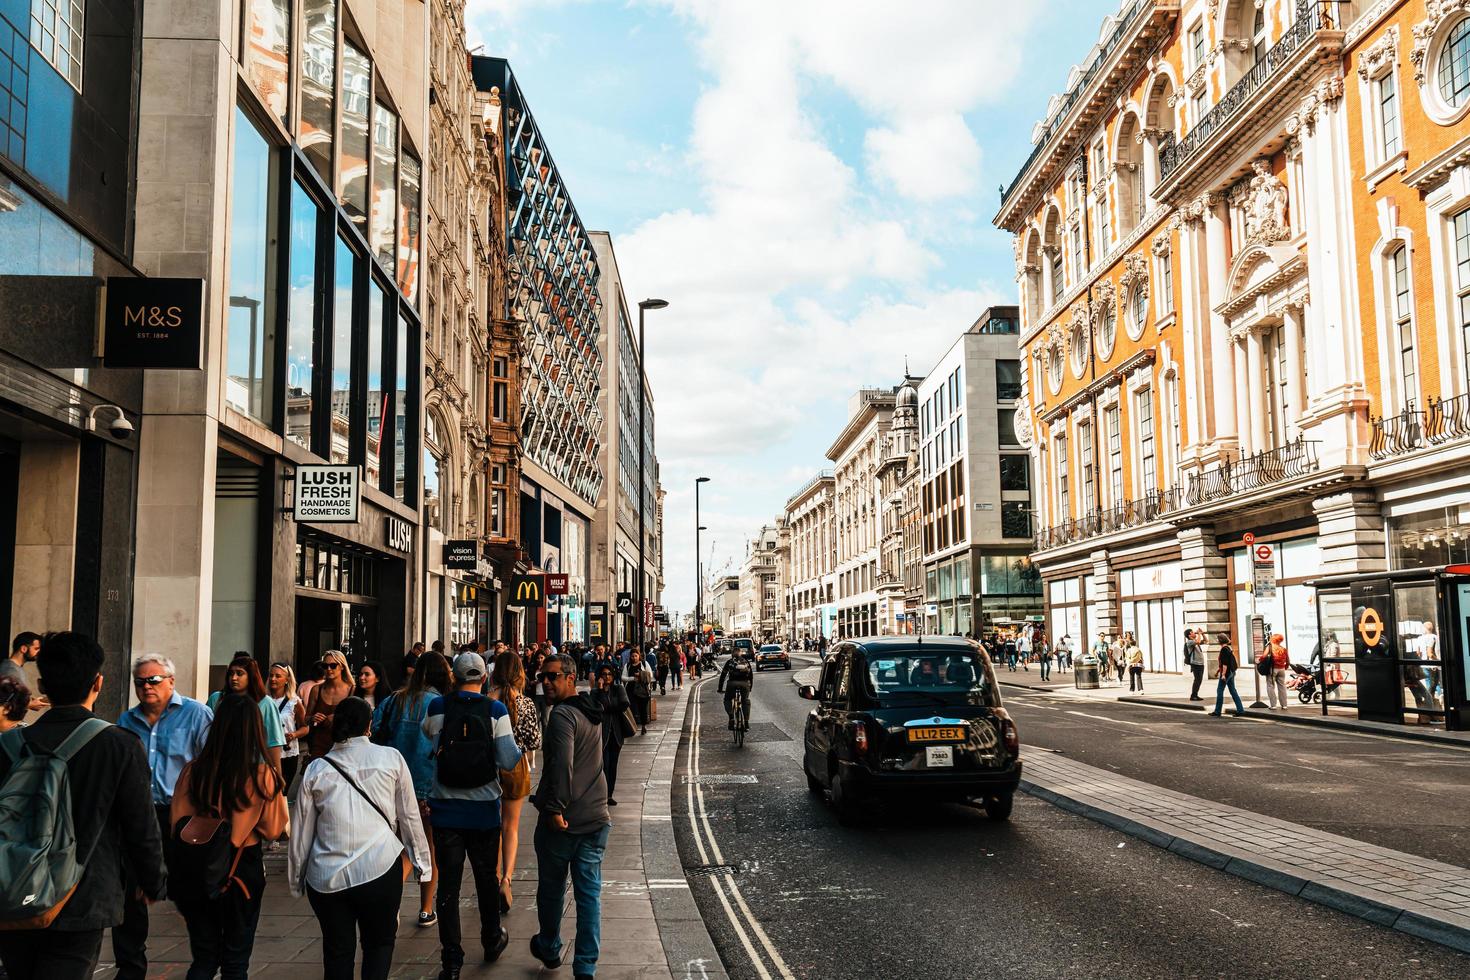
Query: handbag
column 627, row 724
column 1263, row 665
column 202, row 858
column 407, row 864
column 387, row 731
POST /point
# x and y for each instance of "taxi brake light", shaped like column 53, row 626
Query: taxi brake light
column 860, row 736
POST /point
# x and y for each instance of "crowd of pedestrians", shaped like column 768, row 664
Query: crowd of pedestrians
column 363, row 786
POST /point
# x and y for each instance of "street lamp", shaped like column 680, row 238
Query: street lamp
column 644, row 305
column 698, row 562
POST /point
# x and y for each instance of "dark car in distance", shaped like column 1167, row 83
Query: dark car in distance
column 772, row 655
column 912, row 717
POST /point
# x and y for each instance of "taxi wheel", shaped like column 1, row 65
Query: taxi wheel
column 813, row 784
column 843, row 801
column 999, row 807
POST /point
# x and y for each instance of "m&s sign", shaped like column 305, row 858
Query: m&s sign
column 156, row 323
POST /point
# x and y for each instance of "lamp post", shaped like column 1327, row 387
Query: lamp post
column 698, row 562
column 643, row 306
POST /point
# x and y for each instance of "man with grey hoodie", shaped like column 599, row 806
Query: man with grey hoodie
column 571, row 834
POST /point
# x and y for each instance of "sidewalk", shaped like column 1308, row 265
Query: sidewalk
column 641, row 897
column 1411, row 894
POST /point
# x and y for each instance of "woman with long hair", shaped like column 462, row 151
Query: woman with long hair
column 508, row 685
column 615, row 704
column 281, row 686
column 15, row 701
column 372, row 686
column 334, row 687
column 398, row 721
column 242, row 677
column 356, row 823
column 640, row 688
column 227, row 781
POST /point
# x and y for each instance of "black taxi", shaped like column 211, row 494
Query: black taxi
column 914, row 717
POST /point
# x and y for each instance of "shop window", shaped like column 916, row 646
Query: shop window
column 344, row 384
column 382, row 230
column 318, row 60
column 56, row 32
column 357, row 81
column 410, row 181
column 266, row 48
column 251, row 334
column 302, row 319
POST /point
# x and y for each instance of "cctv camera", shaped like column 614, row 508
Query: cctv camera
column 121, row 428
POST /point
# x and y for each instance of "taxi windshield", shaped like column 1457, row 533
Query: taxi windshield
column 943, row 676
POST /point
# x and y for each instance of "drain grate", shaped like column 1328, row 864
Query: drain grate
column 709, row 870
column 719, row 779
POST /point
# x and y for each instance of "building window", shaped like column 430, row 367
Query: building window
column 302, row 319
column 1015, row 519
column 1006, row 427
column 1138, row 308
column 497, row 512
column 1197, row 45
column 251, row 334
column 1084, row 459
column 410, row 180
column 266, row 49
column 1064, row 502
column 318, row 83
column 357, row 83
column 1107, row 330
column 383, row 235
column 1015, row 473
column 1007, row 380
column 498, row 401
column 1454, row 66
column 1462, row 284
column 1201, row 105
column 1148, row 465
column 1403, row 320
column 344, row 387
column 1114, row 431
column 56, row 32
column 1058, row 281
column 1164, row 294
column 1054, row 368
column 1077, row 342
column 1388, row 114
column 1259, row 41
column 433, row 502
column 1078, row 258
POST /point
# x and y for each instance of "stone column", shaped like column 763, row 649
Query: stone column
column 1102, row 593
column 1242, row 408
column 1350, row 532
column 1295, row 405
column 1216, row 271
column 1257, row 411
column 1206, row 586
column 45, row 536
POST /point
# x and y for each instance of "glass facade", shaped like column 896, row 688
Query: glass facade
column 318, row 83
column 377, row 396
column 267, row 46
column 344, row 384
column 301, row 318
column 409, row 232
column 252, row 281
column 357, row 82
column 383, row 228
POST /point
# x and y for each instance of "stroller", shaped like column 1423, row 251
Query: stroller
column 1304, row 682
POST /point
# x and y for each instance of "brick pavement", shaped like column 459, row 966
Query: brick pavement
column 288, row 941
column 1415, row 895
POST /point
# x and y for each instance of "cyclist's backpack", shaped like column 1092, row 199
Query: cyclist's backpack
column 39, row 865
column 466, row 756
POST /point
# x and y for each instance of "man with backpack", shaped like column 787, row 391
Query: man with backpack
column 472, row 741
column 71, row 777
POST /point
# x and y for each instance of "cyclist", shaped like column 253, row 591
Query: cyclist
column 736, row 674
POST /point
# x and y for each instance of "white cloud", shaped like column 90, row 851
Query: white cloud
column 925, row 159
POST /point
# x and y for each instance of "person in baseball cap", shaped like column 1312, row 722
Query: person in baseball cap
column 469, row 668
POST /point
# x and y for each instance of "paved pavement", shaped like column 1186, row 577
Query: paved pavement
column 941, row 892
column 1412, row 894
column 650, row 926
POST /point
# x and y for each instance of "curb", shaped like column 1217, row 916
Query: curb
column 1406, row 732
column 1333, row 894
column 688, row 948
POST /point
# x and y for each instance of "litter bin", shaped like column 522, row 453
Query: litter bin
column 1085, row 675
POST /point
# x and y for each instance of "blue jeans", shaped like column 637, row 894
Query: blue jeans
column 557, row 853
column 1228, row 681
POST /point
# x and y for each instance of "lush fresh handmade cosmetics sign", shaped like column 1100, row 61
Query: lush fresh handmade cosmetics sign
column 327, row 494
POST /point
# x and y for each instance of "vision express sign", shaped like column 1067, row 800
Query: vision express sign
column 327, row 494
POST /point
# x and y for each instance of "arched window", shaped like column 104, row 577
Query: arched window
column 1402, row 305
column 1132, row 194
column 1138, row 306
column 1107, row 330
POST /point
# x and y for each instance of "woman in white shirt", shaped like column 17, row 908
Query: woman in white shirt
column 280, row 684
column 355, row 817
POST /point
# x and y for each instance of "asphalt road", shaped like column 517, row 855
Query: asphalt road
column 1409, row 796
column 943, row 893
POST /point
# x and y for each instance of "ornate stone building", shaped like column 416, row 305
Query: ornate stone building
column 896, row 472
column 813, row 561
column 1195, row 357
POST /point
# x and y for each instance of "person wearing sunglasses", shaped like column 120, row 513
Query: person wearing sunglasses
column 173, row 729
column 335, row 687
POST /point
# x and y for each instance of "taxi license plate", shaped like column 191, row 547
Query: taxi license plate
column 938, row 755
column 946, row 733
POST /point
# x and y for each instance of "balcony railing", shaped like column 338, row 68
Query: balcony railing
column 1129, row 513
column 1248, row 473
column 1444, row 420
column 1311, row 16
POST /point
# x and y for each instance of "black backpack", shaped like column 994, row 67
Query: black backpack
column 466, row 756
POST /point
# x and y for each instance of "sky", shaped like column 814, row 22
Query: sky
column 809, row 183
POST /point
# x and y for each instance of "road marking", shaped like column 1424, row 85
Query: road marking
column 1115, row 721
column 721, row 883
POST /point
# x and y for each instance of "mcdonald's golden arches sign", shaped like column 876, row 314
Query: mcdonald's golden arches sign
column 527, row 590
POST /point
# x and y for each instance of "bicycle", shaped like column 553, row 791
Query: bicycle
column 737, row 717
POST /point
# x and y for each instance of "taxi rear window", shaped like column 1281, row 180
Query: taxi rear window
column 905, row 677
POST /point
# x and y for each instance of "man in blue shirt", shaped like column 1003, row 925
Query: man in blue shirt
column 173, row 729
column 472, row 740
